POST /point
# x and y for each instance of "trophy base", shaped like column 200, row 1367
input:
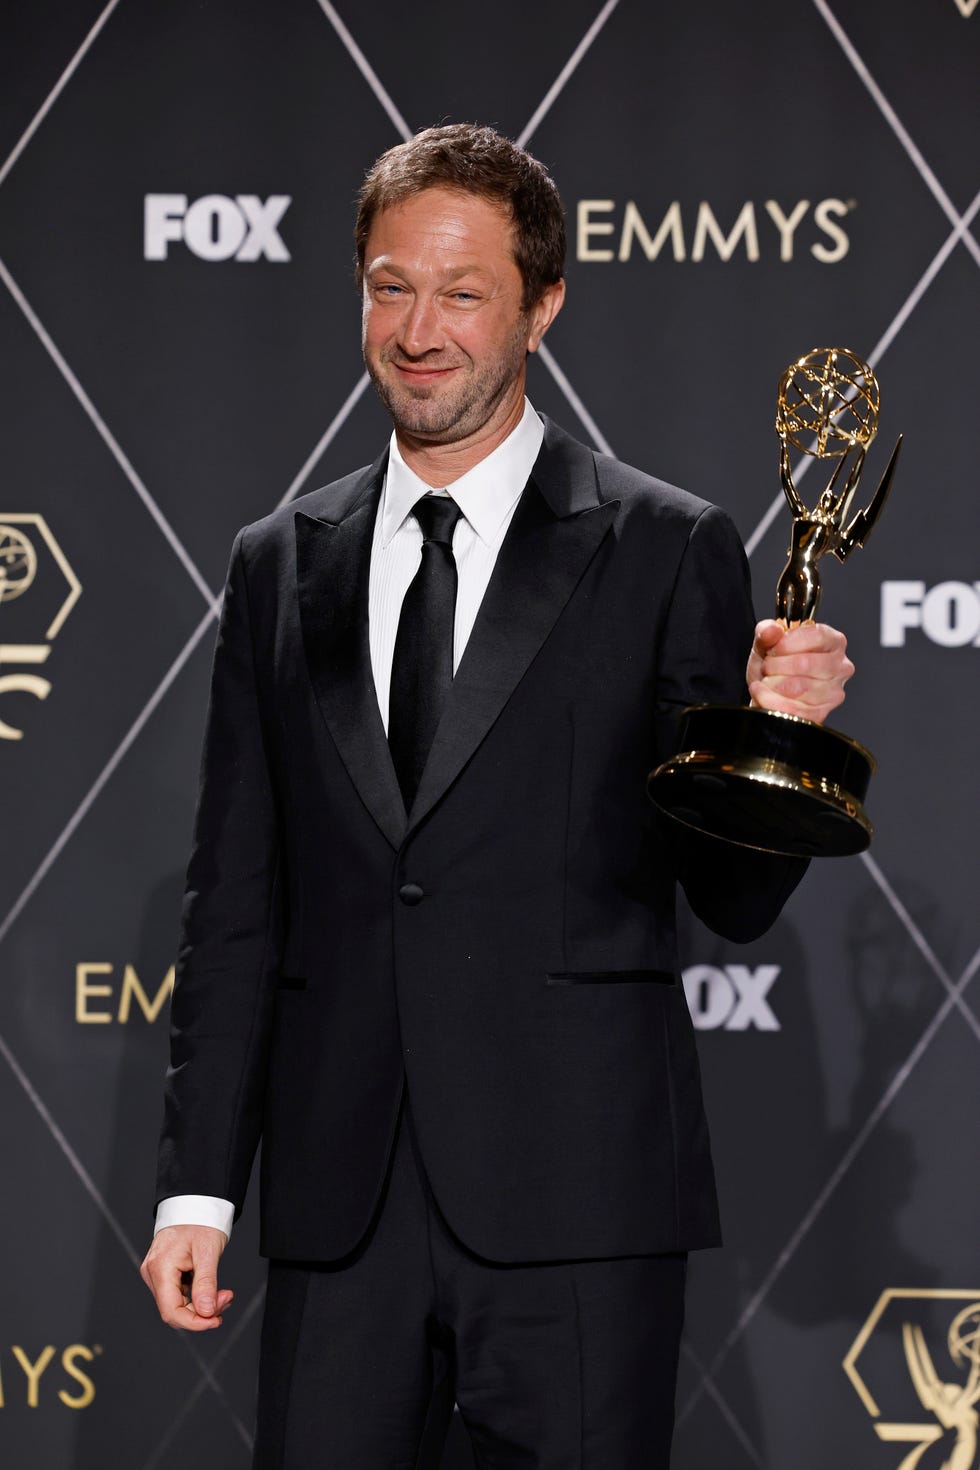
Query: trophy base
column 769, row 781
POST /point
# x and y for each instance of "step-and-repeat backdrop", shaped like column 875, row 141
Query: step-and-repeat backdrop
column 180, row 354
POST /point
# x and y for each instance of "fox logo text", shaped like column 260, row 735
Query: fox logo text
column 215, row 227
column 735, row 997
column 948, row 614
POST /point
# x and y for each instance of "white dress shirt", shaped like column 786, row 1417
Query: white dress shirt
column 487, row 495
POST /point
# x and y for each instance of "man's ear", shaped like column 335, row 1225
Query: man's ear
column 543, row 313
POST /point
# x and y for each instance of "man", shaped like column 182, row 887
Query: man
column 428, row 949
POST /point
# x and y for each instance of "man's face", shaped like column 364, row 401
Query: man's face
column 444, row 332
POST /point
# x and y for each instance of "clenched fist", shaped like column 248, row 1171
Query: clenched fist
column 801, row 670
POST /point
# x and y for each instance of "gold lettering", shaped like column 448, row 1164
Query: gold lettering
column 786, row 226
column 634, row 227
column 822, row 214
column 33, row 1371
column 83, row 992
column 83, row 1399
column 725, row 245
column 131, row 988
column 587, row 227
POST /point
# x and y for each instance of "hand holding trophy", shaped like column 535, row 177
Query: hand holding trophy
column 758, row 777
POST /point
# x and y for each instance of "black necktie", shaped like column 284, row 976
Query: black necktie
column 422, row 666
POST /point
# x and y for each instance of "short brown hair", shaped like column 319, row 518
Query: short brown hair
column 474, row 160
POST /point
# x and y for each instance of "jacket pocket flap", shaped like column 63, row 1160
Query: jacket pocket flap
column 611, row 977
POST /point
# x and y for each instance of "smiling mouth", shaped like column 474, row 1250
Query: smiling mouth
column 421, row 375
column 424, row 370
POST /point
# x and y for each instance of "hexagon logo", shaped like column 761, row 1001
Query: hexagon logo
column 38, row 590
column 915, row 1365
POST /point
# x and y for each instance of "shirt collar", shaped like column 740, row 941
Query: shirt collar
column 485, row 494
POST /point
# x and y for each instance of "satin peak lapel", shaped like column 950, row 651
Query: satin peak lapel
column 541, row 561
column 332, row 567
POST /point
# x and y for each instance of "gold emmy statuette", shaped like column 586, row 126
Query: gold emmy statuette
column 753, row 776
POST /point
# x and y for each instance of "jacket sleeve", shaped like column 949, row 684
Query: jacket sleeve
column 230, row 937
column 737, row 891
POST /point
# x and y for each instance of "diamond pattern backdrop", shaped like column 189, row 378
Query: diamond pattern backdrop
column 152, row 406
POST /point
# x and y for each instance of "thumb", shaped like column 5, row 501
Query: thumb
column 204, row 1289
column 768, row 633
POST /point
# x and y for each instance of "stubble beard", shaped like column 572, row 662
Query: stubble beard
column 448, row 415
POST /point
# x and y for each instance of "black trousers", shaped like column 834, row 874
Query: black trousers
column 564, row 1366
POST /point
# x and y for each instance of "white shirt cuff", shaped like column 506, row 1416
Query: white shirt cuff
column 195, row 1209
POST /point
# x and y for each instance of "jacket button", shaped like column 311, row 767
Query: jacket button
column 411, row 894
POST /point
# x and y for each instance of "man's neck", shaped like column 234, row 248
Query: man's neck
column 439, row 465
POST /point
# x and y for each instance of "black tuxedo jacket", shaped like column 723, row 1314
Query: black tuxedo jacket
column 507, row 945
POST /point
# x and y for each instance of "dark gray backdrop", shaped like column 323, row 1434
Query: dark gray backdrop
column 151, row 406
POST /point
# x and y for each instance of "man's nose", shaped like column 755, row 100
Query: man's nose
column 421, row 331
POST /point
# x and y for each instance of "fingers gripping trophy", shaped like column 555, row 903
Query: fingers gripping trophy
column 757, row 777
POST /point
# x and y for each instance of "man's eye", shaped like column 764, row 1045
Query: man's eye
column 464, row 296
column 386, row 288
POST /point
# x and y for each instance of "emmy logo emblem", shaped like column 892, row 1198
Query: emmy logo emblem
column 18, row 563
column 951, row 1404
column 932, row 1410
column 31, row 561
column 757, row 777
